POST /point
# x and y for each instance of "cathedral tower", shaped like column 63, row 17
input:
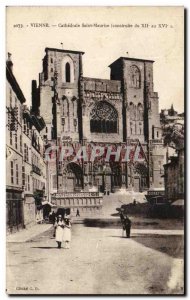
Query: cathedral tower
column 59, row 90
column 140, row 102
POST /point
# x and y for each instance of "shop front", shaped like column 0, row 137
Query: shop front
column 14, row 210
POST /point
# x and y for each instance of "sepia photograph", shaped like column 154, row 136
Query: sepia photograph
column 95, row 172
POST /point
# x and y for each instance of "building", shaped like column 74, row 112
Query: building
column 80, row 111
column 174, row 176
column 29, row 201
column 14, row 151
column 170, row 117
column 25, row 163
column 38, row 160
column 34, row 166
column 173, row 133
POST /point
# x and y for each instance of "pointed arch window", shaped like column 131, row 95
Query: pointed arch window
column 140, row 112
column 132, row 111
column 68, row 72
column 67, row 69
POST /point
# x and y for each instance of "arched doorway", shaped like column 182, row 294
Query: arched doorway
column 73, row 178
column 140, row 177
column 116, row 181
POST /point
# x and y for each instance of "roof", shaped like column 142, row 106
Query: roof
column 157, row 189
column 49, row 203
column 130, row 58
column 38, row 122
column 63, row 50
column 14, row 84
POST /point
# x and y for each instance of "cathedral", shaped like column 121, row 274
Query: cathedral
column 86, row 111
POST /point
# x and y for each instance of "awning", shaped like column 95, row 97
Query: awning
column 179, row 202
column 49, row 203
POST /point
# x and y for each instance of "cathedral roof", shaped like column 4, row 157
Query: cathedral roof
column 130, row 58
column 63, row 50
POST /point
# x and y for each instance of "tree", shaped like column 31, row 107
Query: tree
column 173, row 137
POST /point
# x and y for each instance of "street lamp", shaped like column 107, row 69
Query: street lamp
column 104, row 179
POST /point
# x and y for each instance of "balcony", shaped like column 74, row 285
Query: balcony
column 35, row 145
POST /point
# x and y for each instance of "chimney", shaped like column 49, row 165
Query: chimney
column 35, row 98
column 9, row 61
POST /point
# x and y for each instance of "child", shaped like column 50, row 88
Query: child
column 59, row 226
column 67, row 232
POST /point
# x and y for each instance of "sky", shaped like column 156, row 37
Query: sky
column 102, row 45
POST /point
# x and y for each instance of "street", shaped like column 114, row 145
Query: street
column 100, row 261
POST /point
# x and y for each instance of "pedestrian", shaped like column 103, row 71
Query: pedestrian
column 127, row 226
column 78, row 213
column 59, row 227
column 67, row 232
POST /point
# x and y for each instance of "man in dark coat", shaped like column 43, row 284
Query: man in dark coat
column 127, row 226
column 78, row 213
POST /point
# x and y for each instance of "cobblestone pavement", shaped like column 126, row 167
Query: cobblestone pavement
column 100, row 261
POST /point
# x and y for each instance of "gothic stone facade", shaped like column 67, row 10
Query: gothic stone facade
column 80, row 111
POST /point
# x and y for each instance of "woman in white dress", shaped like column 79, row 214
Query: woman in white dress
column 67, row 232
column 59, row 226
